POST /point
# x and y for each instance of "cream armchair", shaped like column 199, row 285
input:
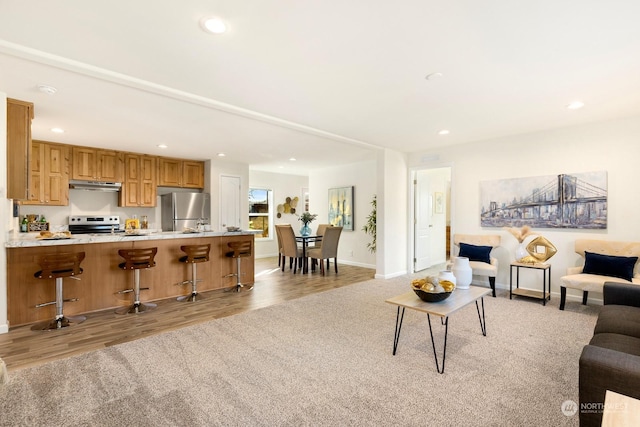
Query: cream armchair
column 480, row 268
column 597, row 267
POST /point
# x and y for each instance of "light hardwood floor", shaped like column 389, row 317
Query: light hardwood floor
column 21, row 347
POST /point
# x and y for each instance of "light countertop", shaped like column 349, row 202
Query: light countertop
column 22, row 240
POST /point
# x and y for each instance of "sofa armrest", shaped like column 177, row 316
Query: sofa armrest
column 574, row 270
column 621, row 294
column 603, row 369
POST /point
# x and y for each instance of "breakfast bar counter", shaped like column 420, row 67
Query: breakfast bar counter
column 102, row 279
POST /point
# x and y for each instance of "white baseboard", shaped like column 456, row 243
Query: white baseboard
column 4, row 328
column 391, row 276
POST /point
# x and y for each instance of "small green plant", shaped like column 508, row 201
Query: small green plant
column 307, row 217
column 370, row 226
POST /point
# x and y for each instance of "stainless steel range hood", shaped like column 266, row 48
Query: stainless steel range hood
column 95, row 185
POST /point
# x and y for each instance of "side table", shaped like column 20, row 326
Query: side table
column 546, row 281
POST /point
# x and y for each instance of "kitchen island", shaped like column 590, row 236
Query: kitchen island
column 101, row 280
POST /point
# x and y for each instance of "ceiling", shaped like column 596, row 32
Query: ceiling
column 326, row 82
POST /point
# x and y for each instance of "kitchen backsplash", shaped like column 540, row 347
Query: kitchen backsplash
column 88, row 203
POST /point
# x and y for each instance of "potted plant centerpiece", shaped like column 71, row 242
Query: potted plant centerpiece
column 306, row 218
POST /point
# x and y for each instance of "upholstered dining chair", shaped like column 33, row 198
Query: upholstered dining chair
column 320, row 232
column 290, row 248
column 328, row 249
column 279, row 237
column 478, row 247
column 318, row 243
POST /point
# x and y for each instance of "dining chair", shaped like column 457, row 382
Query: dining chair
column 318, row 243
column 290, row 248
column 320, row 232
column 328, row 249
column 279, row 237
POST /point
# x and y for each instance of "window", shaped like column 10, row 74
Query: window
column 260, row 211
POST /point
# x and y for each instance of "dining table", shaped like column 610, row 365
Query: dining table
column 305, row 240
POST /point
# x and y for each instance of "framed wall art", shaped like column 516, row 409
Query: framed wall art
column 341, row 207
column 568, row 200
column 438, row 202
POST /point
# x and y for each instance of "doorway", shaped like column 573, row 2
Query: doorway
column 431, row 217
column 229, row 202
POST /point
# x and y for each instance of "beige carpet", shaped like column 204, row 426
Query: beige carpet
column 321, row 360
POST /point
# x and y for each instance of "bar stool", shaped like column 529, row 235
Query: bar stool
column 58, row 266
column 238, row 250
column 137, row 259
column 195, row 254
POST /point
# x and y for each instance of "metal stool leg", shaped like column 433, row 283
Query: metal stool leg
column 137, row 306
column 195, row 296
column 237, row 274
column 60, row 321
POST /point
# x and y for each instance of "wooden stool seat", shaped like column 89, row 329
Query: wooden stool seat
column 195, row 254
column 136, row 260
column 239, row 250
column 59, row 266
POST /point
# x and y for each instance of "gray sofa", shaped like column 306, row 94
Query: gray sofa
column 611, row 360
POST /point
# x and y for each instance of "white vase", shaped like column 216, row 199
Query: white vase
column 462, row 271
column 521, row 251
column 447, row 275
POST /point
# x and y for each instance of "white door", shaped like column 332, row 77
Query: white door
column 229, row 201
column 423, row 206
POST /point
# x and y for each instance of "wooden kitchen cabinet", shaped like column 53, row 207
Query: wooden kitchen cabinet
column 19, row 117
column 140, row 187
column 180, row 173
column 92, row 164
column 49, row 181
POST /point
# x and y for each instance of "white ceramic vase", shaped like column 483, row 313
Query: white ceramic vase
column 521, row 251
column 462, row 271
column 447, row 275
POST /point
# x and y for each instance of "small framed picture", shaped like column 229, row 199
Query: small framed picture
column 438, row 202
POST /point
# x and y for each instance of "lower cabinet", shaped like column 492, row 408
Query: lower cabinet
column 101, row 279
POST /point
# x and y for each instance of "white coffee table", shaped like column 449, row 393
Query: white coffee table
column 443, row 309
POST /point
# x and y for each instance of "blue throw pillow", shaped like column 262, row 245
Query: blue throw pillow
column 475, row 253
column 609, row 265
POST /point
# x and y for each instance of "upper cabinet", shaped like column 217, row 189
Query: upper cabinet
column 97, row 165
column 140, row 186
column 49, row 183
column 19, row 116
column 180, row 173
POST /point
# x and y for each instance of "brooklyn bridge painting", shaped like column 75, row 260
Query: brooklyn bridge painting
column 577, row 200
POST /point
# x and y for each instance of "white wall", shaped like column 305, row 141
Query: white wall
column 610, row 146
column 352, row 248
column 393, row 214
column 283, row 186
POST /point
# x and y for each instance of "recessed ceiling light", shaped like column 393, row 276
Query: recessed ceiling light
column 433, row 76
column 575, row 105
column 444, row 132
column 163, row 146
column 57, row 130
column 292, row 159
column 221, row 154
column 214, row 25
column 49, row 90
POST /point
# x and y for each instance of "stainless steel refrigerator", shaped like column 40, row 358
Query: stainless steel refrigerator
column 184, row 210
